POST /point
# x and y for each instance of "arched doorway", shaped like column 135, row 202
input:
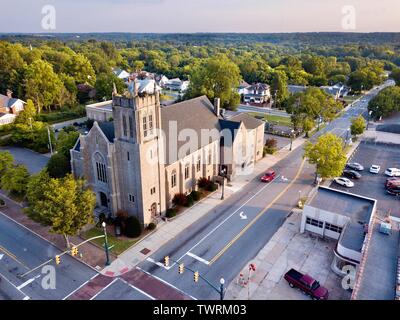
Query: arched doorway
column 153, row 210
column 103, row 199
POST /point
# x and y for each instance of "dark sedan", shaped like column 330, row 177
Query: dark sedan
column 355, row 166
column 351, row 174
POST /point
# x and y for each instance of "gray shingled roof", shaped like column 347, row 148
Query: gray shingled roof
column 249, row 121
column 195, row 114
column 108, row 129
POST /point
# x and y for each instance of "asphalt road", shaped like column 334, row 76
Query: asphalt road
column 22, row 251
column 121, row 290
column 221, row 243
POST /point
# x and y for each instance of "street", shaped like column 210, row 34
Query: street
column 221, row 243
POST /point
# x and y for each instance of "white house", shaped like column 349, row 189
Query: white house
column 177, row 84
column 10, row 107
column 122, row 74
column 256, row 93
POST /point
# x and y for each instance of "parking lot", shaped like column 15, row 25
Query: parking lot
column 372, row 185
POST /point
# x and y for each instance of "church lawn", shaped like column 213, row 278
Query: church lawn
column 121, row 244
column 285, row 121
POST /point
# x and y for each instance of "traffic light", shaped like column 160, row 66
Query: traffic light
column 58, row 260
column 181, row 268
column 166, row 261
column 74, row 251
column 196, row 276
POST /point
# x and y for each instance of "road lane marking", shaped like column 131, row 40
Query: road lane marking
column 219, row 254
column 198, row 258
column 167, row 283
column 82, row 285
column 227, row 218
column 26, row 298
column 159, row 263
column 12, row 256
column 104, row 288
column 28, row 282
column 137, row 289
column 242, row 216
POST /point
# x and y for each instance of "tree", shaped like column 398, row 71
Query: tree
column 105, row 84
column 279, row 87
column 327, row 154
column 80, row 68
column 15, row 179
column 358, row 125
column 66, row 141
column 65, row 205
column 385, row 102
column 58, row 166
column 216, row 77
column 307, row 124
column 42, row 85
column 27, row 115
column 396, row 76
column 6, row 162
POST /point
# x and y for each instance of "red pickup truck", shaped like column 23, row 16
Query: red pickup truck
column 306, row 284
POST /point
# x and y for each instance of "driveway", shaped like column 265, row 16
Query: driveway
column 33, row 161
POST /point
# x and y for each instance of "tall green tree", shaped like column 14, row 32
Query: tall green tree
column 327, row 154
column 6, row 162
column 358, row 125
column 385, row 102
column 279, row 87
column 396, row 76
column 105, row 84
column 216, row 77
column 65, row 205
column 42, row 85
column 15, row 179
column 27, row 116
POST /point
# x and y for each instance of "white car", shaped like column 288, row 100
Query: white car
column 375, row 168
column 393, row 172
column 344, row 182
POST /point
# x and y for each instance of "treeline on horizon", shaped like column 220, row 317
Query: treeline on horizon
column 291, row 39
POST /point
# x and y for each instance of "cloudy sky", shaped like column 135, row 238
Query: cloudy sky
column 201, row 15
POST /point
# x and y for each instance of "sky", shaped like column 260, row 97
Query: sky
column 186, row 16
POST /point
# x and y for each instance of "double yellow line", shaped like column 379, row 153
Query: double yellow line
column 219, row 254
column 11, row 255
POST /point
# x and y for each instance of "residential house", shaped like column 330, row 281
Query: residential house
column 10, row 107
column 258, row 93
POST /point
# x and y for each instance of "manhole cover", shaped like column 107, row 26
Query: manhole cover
column 145, row 251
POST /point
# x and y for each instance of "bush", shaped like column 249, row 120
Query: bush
column 189, row 201
column 269, row 150
column 58, row 166
column 171, row 212
column 151, row 226
column 203, row 183
column 212, row 187
column 195, row 195
column 133, row 228
column 179, row 199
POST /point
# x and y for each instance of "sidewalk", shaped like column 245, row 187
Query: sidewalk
column 287, row 249
column 168, row 230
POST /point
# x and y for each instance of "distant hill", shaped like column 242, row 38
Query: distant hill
column 292, row 39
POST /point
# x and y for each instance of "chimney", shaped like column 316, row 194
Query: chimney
column 9, row 93
column 217, row 106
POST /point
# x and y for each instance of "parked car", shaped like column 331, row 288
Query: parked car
column 355, row 166
column 307, row 284
column 390, row 182
column 344, row 182
column 268, row 176
column 393, row 172
column 351, row 174
column 375, row 168
column 394, row 190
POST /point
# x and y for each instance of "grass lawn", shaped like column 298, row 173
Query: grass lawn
column 350, row 99
column 286, row 121
column 120, row 244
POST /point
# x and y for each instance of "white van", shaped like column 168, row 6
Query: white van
column 393, row 172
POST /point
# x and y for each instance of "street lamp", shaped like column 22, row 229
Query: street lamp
column 222, row 293
column 369, row 118
column 291, row 139
column 347, row 137
column 106, row 243
column 223, row 174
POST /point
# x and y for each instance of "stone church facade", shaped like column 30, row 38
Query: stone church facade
column 148, row 153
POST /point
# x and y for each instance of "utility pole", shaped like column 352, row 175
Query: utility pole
column 50, row 145
column 106, row 243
